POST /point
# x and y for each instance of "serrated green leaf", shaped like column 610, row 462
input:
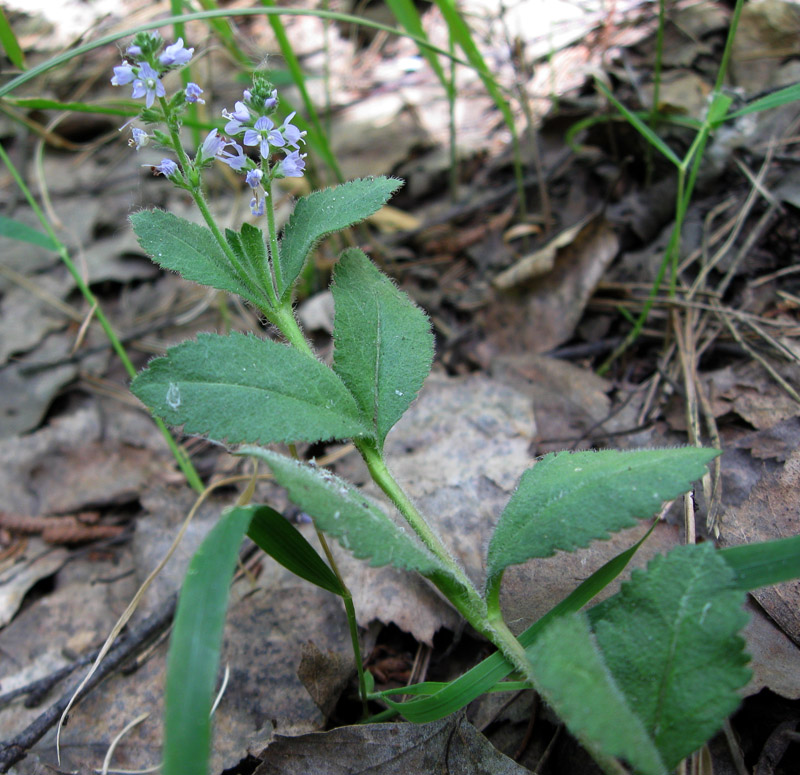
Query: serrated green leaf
column 383, row 342
column 342, row 511
column 195, row 644
column 282, row 541
column 569, row 499
column 323, row 213
column 191, row 250
column 670, row 639
column 570, row 673
column 13, row 229
column 241, row 388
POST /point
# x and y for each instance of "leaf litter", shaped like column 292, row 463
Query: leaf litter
column 531, row 405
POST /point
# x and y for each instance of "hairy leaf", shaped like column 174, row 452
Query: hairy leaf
column 195, row 646
column 568, row 499
column 670, row 639
column 241, row 388
column 324, row 212
column 341, row 510
column 191, row 250
column 383, row 341
column 570, row 673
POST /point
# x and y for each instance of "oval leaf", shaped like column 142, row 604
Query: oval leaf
column 670, row 639
column 569, row 499
column 194, row 647
column 240, row 388
column 571, row 675
column 324, row 212
column 342, row 511
column 191, row 250
column 383, row 341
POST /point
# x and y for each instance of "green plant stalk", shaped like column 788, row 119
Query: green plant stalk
column 200, row 200
column 349, row 608
column 184, row 463
column 467, row 600
column 272, row 232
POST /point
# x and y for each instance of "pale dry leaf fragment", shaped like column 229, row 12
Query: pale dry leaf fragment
column 38, row 562
column 540, row 261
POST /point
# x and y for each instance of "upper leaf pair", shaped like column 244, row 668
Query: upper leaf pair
column 244, row 389
column 193, row 251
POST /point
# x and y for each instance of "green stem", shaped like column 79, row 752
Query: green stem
column 202, row 206
column 274, row 254
column 185, row 464
column 464, row 596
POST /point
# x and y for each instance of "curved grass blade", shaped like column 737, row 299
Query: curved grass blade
column 16, row 230
column 406, row 13
column 281, row 540
column 481, row 678
column 763, row 564
column 8, row 40
column 194, row 649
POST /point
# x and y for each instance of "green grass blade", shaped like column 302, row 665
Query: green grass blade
column 406, row 13
column 317, row 138
column 640, row 125
column 8, row 40
column 774, row 100
column 195, row 645
column 484, row 676
column 282, row 541
column 12, row 229
column 764, row 564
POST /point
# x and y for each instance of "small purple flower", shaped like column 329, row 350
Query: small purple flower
column 264, row 134
column 134, row 51
column 175, row 54
column 254, row 178
column 140, row 138
column 147, row 85
column 123, row 74
column 235, row 119
column 235, row 162
column 291, row 133
column 167, row 167
column 193, row 92
column 211, row 147
column 257, row 206
column 293, row 165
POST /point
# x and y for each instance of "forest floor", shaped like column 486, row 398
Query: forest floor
column 528, row 299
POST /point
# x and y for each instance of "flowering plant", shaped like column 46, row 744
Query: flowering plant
column 650, row 673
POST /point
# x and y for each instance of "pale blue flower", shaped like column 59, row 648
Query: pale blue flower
column 254, row 178
column 291, row 133
column 147, row 85
column 258, row 206
column 140, row 138
column 134, row 51
column 235, row 162
column 240, row 114
column 175, row 54
column 264, row 134
column 167, row 167
column 192, row 93
column 123, row 74
column 293, row 165
column 211, row 147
